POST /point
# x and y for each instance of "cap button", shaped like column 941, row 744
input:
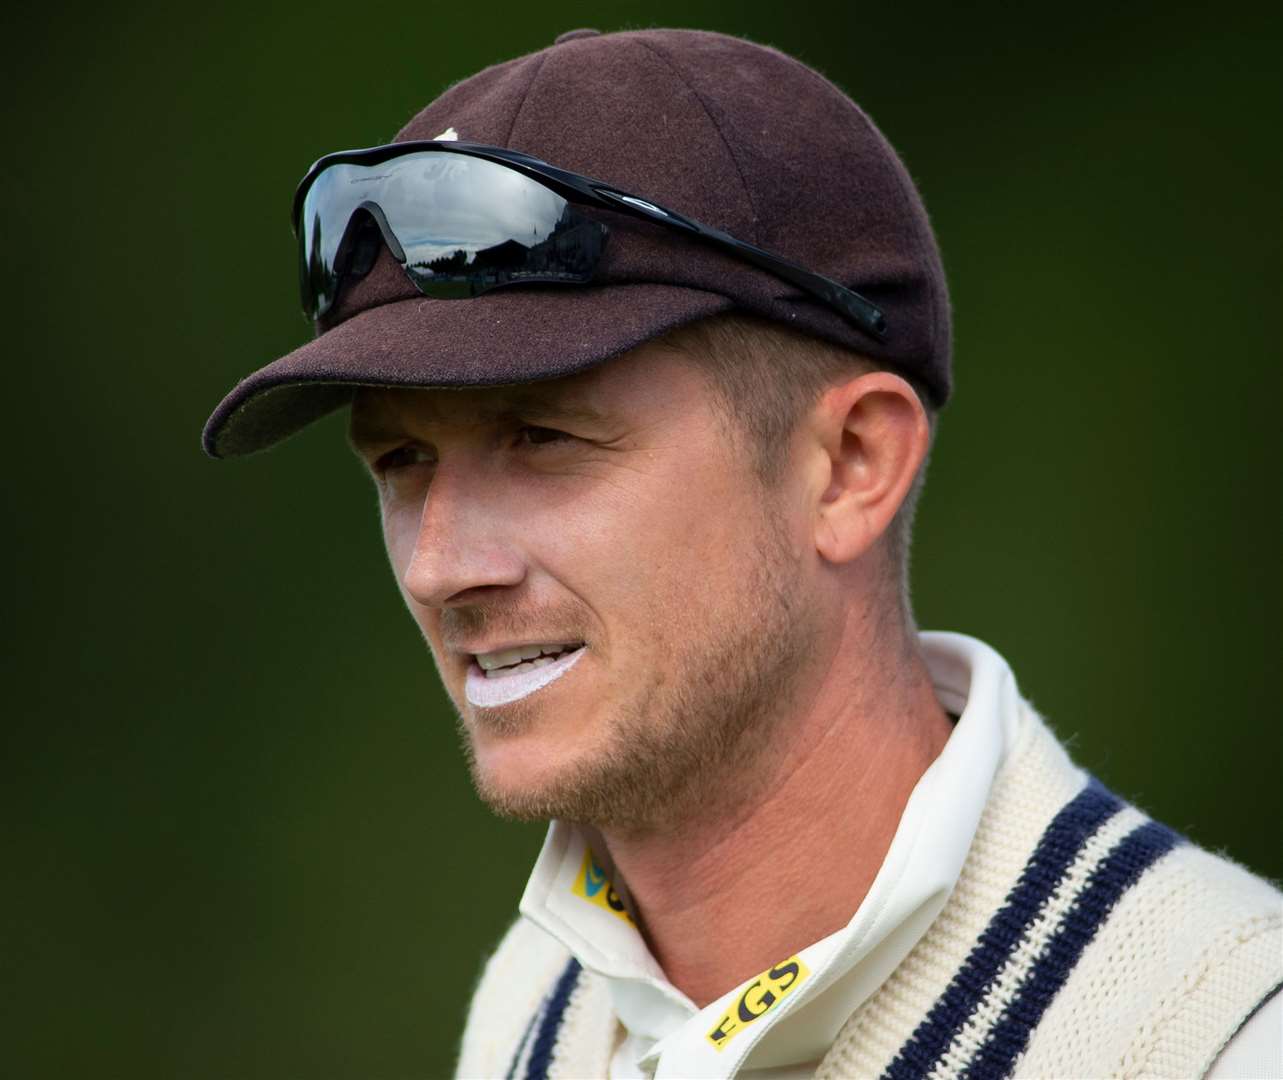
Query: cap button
column 570, row 35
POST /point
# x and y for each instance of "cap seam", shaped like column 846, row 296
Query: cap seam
column 748, row 195
column 900, row 177
column 525, row 97
column 596, row 284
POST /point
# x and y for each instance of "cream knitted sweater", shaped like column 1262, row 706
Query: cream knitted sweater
column 1082, row 940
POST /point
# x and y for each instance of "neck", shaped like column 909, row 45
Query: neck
column 817, row 814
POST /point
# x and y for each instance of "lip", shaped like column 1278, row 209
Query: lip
column 471, row 650
column 487, row 693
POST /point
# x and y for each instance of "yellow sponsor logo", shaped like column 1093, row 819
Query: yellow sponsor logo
column 595, row 887
column 758, row 998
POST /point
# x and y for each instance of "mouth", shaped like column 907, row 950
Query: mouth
column 507, row 675
column 504, row 663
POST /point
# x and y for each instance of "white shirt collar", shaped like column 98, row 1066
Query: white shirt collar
column 570, row 895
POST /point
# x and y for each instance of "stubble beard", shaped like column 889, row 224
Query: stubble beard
column 684, row 743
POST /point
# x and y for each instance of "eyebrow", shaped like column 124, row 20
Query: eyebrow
column 538, row 405
column 365, row 430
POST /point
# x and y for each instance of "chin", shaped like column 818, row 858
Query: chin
column 508, row 750
column 514, row 789
column 529, row 776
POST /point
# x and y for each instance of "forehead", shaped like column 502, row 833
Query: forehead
column 651, row 378
column 444, row 407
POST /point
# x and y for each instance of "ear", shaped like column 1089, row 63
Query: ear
column 870, row 436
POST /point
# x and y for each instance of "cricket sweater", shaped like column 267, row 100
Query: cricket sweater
column 1080, row 939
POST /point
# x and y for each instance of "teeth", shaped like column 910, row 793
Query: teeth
column 524, row 657
column 499, row 658
column 529, row 665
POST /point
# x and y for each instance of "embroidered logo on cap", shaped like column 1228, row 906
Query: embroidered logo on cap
column 449, row 135
column 593, row 884
column 757, row 998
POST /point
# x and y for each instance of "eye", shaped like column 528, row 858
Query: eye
column 541, row 436
column 402, row 458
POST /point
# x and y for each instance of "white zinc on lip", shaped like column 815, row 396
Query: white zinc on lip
column 486, row 691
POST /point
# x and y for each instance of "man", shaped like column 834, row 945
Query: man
column 644, row 336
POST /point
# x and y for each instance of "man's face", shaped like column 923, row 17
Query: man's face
column 608, row 525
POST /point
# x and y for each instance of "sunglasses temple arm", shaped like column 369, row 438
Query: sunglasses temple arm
column 855, row 307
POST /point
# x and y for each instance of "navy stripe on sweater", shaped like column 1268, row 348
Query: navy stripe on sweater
column 511, row 1074
column 1117, row 872
column 1056, row 851
column 553, row 1013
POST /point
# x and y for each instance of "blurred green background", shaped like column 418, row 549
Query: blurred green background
column 241, row 842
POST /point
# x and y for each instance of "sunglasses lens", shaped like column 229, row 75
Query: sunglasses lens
column 459, row 225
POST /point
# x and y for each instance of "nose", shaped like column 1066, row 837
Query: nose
column 465, row 542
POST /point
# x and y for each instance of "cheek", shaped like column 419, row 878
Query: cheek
column 680, row 546
column 400, row 533
column 698, row 516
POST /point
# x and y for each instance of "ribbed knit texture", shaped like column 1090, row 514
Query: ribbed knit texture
column 1082, row 940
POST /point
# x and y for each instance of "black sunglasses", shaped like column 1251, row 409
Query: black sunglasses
column 463, row 218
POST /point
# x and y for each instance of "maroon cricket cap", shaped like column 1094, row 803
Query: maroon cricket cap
column 735, row 135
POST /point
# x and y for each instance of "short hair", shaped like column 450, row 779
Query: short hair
column 765, row 377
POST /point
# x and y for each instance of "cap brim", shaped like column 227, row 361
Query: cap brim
column 513, row 335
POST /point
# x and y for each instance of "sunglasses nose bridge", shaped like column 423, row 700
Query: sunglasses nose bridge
column 358, row 248
column 380, row 219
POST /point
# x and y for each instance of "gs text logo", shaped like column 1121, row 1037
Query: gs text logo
column 758, row 997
